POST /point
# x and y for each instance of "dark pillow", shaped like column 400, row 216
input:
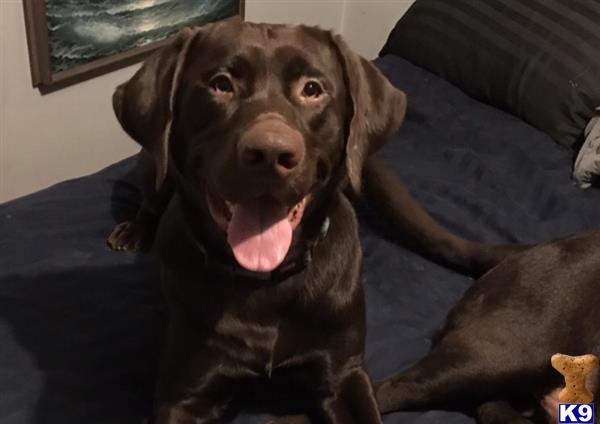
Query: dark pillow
column 538, row 59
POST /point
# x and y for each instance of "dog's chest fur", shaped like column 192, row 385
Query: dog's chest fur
column 253, row 343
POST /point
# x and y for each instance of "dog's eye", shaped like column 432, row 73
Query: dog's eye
column 312, row 89
column 221, row 83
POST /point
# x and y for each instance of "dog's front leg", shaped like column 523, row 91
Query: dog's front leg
column 191, row 388
column 290, row 419
column 189, row 412
column 201, row 400
column 172, row 413
column 353, row 400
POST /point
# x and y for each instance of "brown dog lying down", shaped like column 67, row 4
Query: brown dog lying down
column 493, row 354
column 251, row 135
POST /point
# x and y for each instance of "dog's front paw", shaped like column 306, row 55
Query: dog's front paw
column 290, row 419
column 129, row 235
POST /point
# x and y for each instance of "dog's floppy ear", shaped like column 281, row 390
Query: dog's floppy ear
column 144, row 104
column 377, row 110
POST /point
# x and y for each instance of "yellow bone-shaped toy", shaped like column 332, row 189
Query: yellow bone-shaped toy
column 575, row 369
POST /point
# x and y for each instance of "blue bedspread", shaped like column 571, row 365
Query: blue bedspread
column 80, row 325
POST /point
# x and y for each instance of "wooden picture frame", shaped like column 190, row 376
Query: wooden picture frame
column 45, row 75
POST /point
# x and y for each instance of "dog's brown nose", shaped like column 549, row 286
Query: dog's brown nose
column 271, row 145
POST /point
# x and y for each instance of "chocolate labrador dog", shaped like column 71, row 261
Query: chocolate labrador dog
column 254, row 137
column 493, row 353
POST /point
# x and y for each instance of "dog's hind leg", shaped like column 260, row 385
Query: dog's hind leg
column 137, row 234
column 499, row 412
column 426, row 385
column 456, row 376
column 134, row 235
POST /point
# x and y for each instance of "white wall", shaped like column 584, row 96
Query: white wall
column 46, row 139
column 325, row 13
column 366, row 24
column 72, row 132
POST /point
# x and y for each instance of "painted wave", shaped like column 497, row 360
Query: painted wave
column 85, row 30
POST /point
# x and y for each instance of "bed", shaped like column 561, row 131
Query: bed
column 80, row 325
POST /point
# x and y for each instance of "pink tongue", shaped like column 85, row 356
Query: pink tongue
column 259, row 234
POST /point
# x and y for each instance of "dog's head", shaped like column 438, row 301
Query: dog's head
column 259, row 120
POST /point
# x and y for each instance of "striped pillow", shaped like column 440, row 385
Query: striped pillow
column 538, row 59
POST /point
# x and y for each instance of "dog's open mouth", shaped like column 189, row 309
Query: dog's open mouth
column 259, row 231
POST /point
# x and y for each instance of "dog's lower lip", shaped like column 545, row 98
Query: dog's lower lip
column 219, row 209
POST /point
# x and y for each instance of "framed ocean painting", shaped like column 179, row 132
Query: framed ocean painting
column 73, row 40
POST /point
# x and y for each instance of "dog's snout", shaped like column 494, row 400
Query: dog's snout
column 271, row 145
